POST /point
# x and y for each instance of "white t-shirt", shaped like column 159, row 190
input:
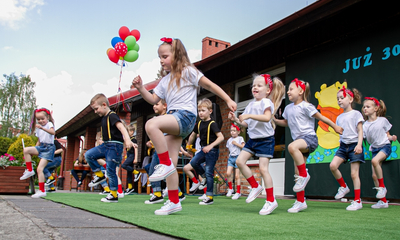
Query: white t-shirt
column 257, row 129
column 376, row 132
column 299, row 118
column 349, row 121
column 45, row 137
column 197, row 146
column 186, row 97
column 233, row 149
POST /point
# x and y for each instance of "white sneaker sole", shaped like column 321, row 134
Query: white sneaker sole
column 174, row 210
column 95, row 184
column 268, row 212
column 301, row 188
column 161, row 177
column 296, row 210
column 249, row 200
column 342, row 195
column 27, row 176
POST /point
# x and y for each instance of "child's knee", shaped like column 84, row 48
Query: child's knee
column 375, row 162
column 333, row 167
column 292, row 148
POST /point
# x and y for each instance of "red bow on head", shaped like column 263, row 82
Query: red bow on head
column 268, row 81
column 42, row 110
column 299, row 84
column 167, row 40
column 374, row 100
column 346, row 91
column 237, row 128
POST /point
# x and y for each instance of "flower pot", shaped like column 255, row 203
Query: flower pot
column 216, row 188
column 9, row 180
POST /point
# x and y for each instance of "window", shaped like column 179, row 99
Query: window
column 209, row 42
column 216, row 44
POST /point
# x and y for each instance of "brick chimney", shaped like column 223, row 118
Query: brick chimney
column 212, row 46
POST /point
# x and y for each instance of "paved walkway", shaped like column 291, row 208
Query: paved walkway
column 22, row 217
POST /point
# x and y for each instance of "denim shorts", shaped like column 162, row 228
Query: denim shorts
column 346, row 152
column 186, row 121
column 261, row 147
column 232, row 161
column 46, row 151
column 312, row 143
column 387, row 149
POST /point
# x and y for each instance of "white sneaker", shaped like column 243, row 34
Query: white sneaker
column 203, row 197
column 354, row 206
column 230, row 192
column 380, row 204
column 203, row 183
column 297, row 207
column 194, row 186
column 121, row 195
column 39, row 194
column 165, row 192
column 381, row 192
column 301, row 183
column 236, row 196
column 254, row 193
column 268, row 207
column 137, row 176
column 342, row 191
column 162, row 172
column 27, row 174
column 168, row 208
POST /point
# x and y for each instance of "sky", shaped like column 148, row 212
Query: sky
column 62, row 45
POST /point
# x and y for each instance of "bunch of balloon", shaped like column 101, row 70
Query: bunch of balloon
column 125, row 47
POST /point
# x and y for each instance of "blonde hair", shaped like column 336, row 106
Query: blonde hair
column 46, row 112
column 99, row 98
column 205, row 102
column 356, row 98
column 381, row 112
column 306, row 92
column 131, row 127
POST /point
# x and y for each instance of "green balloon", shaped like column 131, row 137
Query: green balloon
column 136, row 47
column 130, row 42
column 131, row 56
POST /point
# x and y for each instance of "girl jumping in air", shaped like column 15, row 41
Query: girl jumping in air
column 376, row 131
column 257, row 117
column 178, row 87
column 44, row 148
column 350, row 149
column 299, row 116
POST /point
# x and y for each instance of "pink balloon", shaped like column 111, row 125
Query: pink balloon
column 123, row 32
column 112, row 55
column 121, row 49
column 136, row 34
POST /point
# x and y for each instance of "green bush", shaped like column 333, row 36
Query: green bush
column 5, row 143
column 16, row 148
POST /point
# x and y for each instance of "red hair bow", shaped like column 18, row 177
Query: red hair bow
column 346, row 91
column 374, row 100
column 42, row 110
column 299, row 84
column 237, row 128
column 268, row 81
column 167, row 40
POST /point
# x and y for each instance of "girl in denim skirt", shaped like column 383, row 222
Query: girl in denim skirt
column 299, row 116
column 257, row 117
column 376, row 131
column 178, row 87
column 44, row 147
column 350, row 149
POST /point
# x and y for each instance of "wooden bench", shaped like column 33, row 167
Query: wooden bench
column 180, row 171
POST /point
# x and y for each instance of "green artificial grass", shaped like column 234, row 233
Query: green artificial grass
column 229, row 219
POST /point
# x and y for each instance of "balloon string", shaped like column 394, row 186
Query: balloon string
column 119, row 84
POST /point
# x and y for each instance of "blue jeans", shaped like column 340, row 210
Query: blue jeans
column 210, row 159
column 50, row 167
column 186, row 121
column 46, row 151
column 112, row 152
column 128, row 166
column 346, row 152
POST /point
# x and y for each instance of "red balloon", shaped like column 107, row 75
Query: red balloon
column 121, row 49
column 136, row 34
column 124, row 32
column 112, row 55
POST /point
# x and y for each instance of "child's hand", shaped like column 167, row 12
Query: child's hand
column 338, row 129
column 137, row 82
column 231, row 105
column 39, row 126
column 244, row 117
column 393, row 138
column 358, row 149
column 129, row 144
column 231, row 116
column 206, row 149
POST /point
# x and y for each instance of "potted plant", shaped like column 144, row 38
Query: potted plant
column 217, row 182
column 11, row 170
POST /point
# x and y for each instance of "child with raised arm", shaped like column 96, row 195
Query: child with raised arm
column 350, row 149
column 376, row 131
column 257, row 117
column 299, row 116
column 234, row 144
column 179, row 89
column 114, row 135
column 44, row 148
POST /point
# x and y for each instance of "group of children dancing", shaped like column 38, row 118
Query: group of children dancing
column 179, row 87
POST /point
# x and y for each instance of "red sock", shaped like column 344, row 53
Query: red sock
column 164, row 158
column 270, row 194
column 381, row 183
column 252, row 181
column 230, row 185
column 105, row 166
column 29, row 166
column 300, row 196
column 205, row 190
column 302, row 170
column 41, row 186
column 341, row 182
column 384, row 200
column 119, row 188
column 238, row 188
column 173, row 195
column 194, row 179
column 357, row 194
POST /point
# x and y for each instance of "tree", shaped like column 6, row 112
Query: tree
column 17, row 102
